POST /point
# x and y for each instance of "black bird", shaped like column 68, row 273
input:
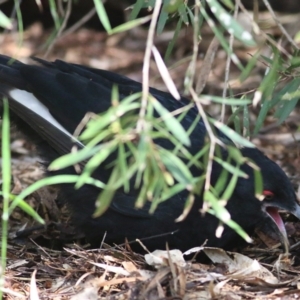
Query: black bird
column 47, row 101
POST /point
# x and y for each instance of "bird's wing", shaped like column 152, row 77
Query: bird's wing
column 125, row 205
column 53, row 99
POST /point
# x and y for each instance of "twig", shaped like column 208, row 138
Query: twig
column 285, row 33
column 146, row 65
column 62, row 27
column 228, row 63
column 78, row 24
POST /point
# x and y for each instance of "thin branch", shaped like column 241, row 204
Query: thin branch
column 283, row 30
column 78, row 24
column 62, row 27
column 228, row 63
column 146, row 65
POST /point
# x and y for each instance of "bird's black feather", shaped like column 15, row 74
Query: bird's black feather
column 68, row 92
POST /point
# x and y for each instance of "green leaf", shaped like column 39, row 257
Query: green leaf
column 95, row 161
column 289, row 101
column 249, row 67
column 130, row 24
column 269, row 104
column 30, row 211
column 236, row 155
column 232, row 135
column 139, row 4
column 219, row 210
column 182, row 10
column 143, row 150
column 232, row 184
column 55, row 17
column 53, row 180
column 219, row 186
column 230, row 168
column 170, row 192
column 162, row 20
column 222, row 214
column 227, row 101
column 258, row 183
column 106, row 196
column 246, row 121
column 74, row 158
column 176, row 167
column 172, row 123
column 5, row 151
column 187, row 207
column 230, row 24
column 123, row 167
column 5, row 22
column 171, row 6
column 174, row 40
column 112, row 114
column 219, row 35
column 196, row 158
column 229, row 4
column 102, row 15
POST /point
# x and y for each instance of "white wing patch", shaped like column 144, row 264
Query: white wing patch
column 32, row 103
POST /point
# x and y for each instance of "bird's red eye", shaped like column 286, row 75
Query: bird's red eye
column 268, row 195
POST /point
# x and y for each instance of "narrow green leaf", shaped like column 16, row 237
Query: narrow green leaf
column 259, row 185
column 176, row 167
column 6, row 156
column 6, row 179
column 172, row 123
column 5, row 22
column 172, row 191
column 74, row 158
column 269, row 104
column 232, row 184
column 183, row 13
column 171, row 6
column 123, row 167
column 230, row 168
column 96, row 160
column 226, row 101
column 236, row 155
column 30, row 211
column 187, row 207
column 106, row 196
column 246, row 122
column 195, row 160
column 102, row 15
column 130, row 24
column 162, row 20
column 112, row 114
column 222, row 214
column 53, row 180
column 289, row 101
column 221, row 39
column 232, row 135
column 249, row 67
column 222, row 181
column 139, row 4
column 55, row 17
column 230, row 24
column 220, row 211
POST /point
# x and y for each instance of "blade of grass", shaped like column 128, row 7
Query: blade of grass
column 6, row 179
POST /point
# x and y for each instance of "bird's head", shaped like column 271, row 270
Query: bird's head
column 278, row 194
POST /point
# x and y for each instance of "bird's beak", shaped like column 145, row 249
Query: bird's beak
column 296, row 211
column 283, row 237
column 275, row 228
column 278, row 224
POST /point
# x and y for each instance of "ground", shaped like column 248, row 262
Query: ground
column 39, row 267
